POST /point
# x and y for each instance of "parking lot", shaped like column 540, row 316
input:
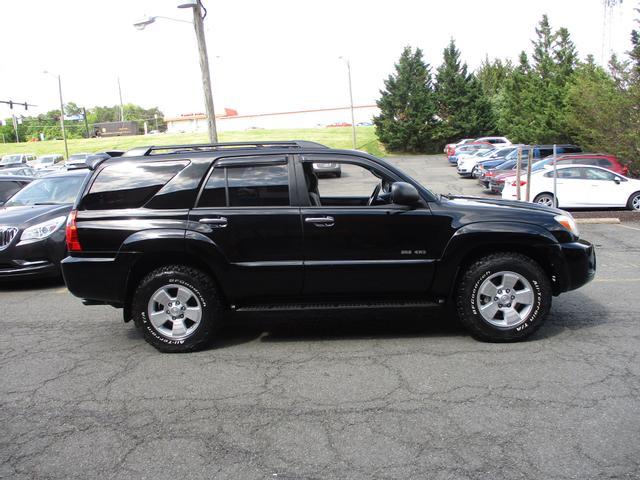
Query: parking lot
column 369, row 395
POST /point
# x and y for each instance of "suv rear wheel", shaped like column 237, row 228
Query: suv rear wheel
column 503, row 297
column 176, row 308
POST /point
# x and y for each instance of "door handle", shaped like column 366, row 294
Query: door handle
column 320, row 221
column 218, row 221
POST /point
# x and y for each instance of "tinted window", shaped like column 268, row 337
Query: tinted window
column 258, row 186
column 7, row 189
column 129, row 185
column 247, row 186
column 214, row 194
column 603, row 162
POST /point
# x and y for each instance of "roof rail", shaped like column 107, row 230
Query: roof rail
column 208, row 147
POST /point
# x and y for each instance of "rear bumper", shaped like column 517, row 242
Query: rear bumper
column 579, row 265
column 81, row 274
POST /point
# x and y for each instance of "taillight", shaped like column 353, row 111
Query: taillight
column 73, row 242
column 522, row 183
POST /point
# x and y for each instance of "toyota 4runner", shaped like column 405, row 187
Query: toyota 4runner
column 176, row 235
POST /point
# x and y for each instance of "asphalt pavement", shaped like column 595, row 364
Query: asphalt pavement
column 367, row 395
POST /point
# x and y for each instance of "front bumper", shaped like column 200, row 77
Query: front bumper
column 578, row 266
column 39, row 259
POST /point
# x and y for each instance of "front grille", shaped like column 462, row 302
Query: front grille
column 6, row 236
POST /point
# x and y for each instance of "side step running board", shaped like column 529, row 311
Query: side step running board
column 333, row 306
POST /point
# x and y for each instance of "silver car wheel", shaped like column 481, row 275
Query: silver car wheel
column 174, row 311
column 635, row 202
column 505, row 299
column 546, row 200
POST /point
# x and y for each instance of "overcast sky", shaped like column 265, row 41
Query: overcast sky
column 265, row 56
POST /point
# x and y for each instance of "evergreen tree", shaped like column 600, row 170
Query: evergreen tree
column 407, row 120
column 463, row 109
column 542, row 49
column 492, row 75
column 515, row 105
column 565, row 56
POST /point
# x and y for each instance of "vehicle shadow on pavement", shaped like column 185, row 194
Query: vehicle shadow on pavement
column 578, row 312
column 31, row 284
column 346, row 325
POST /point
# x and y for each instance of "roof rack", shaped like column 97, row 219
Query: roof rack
column 209, row 147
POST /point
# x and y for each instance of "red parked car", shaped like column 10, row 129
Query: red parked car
column 610, row 162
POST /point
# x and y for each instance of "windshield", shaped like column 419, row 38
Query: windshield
column 514, row 155
column 486, row 153
column 48, row 191
column 10, row 159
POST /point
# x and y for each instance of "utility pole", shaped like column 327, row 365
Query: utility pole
column 121, row 105
column 353, row 121
column 15, row 127
column 204, row 67
column 86, row 123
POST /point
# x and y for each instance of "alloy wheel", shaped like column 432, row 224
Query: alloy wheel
column 174, row 311
column 505, row 299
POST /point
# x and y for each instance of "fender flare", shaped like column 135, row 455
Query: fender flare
column 483, row 237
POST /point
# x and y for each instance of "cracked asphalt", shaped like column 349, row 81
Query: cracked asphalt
column 343, row 396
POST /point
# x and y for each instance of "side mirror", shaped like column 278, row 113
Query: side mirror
column 617, row 180
column 403, row 193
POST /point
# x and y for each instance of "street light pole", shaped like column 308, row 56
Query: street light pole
column 206, row 77
column 198, row 25
column 353, row 122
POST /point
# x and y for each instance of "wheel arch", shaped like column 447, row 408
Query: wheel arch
column 475, row 241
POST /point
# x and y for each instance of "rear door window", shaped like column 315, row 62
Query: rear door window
column 259, row 185
column 129, row 184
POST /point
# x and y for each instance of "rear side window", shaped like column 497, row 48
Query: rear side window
column 129, row 184
column 247, row 186
column 603, row 162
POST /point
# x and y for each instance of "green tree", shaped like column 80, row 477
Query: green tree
column 463, row 109
column 492, row 75
column 407, row 120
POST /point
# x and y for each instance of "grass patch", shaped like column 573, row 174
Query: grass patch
column 339, row 137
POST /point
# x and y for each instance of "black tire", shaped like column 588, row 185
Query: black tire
column 338, row 175
column 634, row 198
column 203, row 288
column 548, row 196
column 471, row 280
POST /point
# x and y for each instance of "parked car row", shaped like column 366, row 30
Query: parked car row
column 582, row 180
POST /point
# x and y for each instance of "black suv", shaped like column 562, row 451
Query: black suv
column 176, row 235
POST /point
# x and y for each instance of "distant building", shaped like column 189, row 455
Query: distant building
column 230, row 120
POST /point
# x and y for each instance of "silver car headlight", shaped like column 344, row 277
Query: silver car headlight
column 41, row 230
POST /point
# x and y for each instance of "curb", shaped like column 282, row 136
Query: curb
column 595, row 220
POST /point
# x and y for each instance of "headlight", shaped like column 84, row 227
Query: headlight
column 42, row 230
column 568, row 222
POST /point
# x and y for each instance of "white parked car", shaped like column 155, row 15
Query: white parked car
column 495, row 141
column 450, row 146
column 579, row 186
column 16, row 159
column 47, row 161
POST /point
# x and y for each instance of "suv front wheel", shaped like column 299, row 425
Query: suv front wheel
column 176, row 308
column 503, row 297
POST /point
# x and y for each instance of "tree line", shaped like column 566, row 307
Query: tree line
column 48, row 124
column 548, row 95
